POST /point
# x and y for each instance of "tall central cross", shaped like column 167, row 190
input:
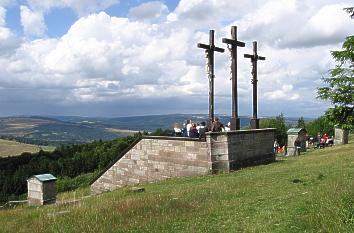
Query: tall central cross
column 209, row 50
column 234, row 43
column 254, row 58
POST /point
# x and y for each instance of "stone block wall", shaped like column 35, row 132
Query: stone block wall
column 235, row 149
column 156, row 158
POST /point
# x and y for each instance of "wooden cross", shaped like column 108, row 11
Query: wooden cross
column 209, row 50
column 254, row 58
column 234, row 43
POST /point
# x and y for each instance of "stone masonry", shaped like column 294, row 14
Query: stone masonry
column 154, row 159
column 235, row 149
column 157, row 158
column 341, row 136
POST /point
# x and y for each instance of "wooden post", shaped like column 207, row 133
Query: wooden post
column 235, row 120
column 254, row 58
column 209, row 50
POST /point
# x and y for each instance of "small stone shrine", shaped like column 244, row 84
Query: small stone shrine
column 41, row 189
column 293, row 134
column 341, row 136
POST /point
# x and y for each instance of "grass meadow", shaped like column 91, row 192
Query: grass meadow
column 310, row 193
column 13, row 148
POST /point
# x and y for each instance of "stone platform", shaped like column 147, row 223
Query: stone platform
column 153, row 159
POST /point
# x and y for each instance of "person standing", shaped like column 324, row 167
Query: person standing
column 177, row 130
column 188, row 126
column 276, row 146
column 216, row 126
column 297, row 147
column 193, row 132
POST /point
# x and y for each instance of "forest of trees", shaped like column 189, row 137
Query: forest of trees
column 73, row 165
column 67, row 162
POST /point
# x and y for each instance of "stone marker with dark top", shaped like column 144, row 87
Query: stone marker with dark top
column 254, row 58
column 209, row 50
column 232, row 44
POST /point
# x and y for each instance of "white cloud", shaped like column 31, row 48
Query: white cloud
column 95, row 52
column 285, row 93
column 108, row 59
column 5, row 3
column 148, row 10
column 81, row 7
column 290, row 23
column 32, row 22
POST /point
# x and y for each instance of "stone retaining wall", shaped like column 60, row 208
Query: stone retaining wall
column 156, row 158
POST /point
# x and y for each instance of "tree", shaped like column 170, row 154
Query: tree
column 301, row 123
column 279, row 124
column 319, row 125
column 340, row 89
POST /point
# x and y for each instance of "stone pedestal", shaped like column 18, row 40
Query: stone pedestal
column 341, row 136
column 240, row 148
column 235, row 123
column 254, row 123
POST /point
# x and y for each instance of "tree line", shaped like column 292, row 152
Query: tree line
column 67, row 162
column 319, row 125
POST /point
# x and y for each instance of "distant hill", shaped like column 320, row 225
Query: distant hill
column 146, row 123
column 56, row 130
column 51, row 131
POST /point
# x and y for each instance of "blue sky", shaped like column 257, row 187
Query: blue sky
column 59, row 20
column 120, row 58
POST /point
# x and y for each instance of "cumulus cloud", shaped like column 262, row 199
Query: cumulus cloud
column 32, row 22
column 280, row 24
column 148, row 10
column 5, row 3
column 285, row 92
column 81, row 7
column 103, row 59
column 95, row 62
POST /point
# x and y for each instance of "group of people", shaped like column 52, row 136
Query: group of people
column 279, row 149
column 318, row 142
column 321, row 141
column 198, row 130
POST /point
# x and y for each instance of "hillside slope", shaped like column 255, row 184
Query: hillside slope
column 311, row 193
column 13, row 148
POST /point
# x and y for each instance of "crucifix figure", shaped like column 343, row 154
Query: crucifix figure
column 232, row 44
column 254, row 58
column 209, row 51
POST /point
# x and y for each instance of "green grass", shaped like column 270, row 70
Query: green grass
column 311, row 193
column 13, row 148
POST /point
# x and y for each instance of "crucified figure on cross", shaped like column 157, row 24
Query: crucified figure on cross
column 232, row 44
column 254, row 58
column 209, row 50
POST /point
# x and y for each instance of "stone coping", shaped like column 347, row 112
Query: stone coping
column 175, row 138
column 242, row 131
